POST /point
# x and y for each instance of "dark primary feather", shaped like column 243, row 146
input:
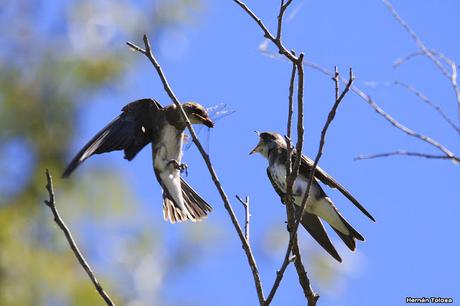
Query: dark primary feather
column 131, row 131
column 305, row 167
column 314, row 226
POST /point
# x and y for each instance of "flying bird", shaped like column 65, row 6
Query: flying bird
column 146, row 121
column 319, row 206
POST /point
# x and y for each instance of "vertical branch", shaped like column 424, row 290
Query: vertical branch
column 288, row 196
column 330, row 118
column 290, row 179
column 51, row 203
column 283, row 7
column 247, row 215
column 246, row 246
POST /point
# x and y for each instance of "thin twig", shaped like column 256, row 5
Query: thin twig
column 288, row 196
column 454, row 159
column 311, row 296
column 403, row 60
column 322, row 141
column 452, row 77
column 385, row 115
column 300, row 129
column 425, row 99
column 267, row 33
column 283, row 8
column 417, row 40
column 246, row 246
column 51, row 203
column 279, row 277
column 247, row 215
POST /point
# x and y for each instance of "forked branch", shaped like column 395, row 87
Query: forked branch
column 147, row 51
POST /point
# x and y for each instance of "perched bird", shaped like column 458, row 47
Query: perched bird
column 146, row 121
column 273, row 146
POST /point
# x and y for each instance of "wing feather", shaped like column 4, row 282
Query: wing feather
column 131, row 131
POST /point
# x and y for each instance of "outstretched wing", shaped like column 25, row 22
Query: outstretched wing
column 131, row 131
column 305, row 167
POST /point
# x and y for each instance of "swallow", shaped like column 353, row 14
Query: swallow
column 319, row 206
column 145, row 121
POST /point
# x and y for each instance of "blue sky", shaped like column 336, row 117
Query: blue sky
column 413, row 248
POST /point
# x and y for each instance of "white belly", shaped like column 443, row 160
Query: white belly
column 278, row 173
column 169, row 147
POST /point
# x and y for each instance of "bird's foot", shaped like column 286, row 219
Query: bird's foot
column 181, row 167
column 288, row 227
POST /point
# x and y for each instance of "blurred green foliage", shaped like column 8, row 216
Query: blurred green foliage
column 52, row 54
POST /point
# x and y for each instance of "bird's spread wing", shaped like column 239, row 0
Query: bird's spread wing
column 305, row 167
column 312, row 224
column 131, row 131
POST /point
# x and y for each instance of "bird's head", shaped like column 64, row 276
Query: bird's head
column 197, row 114
column 268, row 141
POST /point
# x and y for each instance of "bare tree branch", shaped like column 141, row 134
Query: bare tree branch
column 403, row 60
column 454, row 159
column 386, row 116
column 283, row 8
column 247, row 215
column 311, row 296
column 425, row 99
column 288, row 201
column 330, row 118
column 279, row 277
column 51, row 203
column 267, row 33
column 452, row 77
column 245, row 244
column 427, row 52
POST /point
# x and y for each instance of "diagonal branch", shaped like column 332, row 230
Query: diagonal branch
column 51, row 203
column 386, row 116
column 452, row 77
column 425, row 99
column 267, row 34
column 245, row 244
column 427, row 52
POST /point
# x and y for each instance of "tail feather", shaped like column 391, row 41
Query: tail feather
column 197, row 208
column 350, row 239
column 316, row 229
column 353, row 233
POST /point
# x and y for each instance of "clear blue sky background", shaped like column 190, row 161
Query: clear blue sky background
column 413, row 248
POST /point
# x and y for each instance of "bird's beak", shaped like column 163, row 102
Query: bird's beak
column 206, row 121
column 256, row 149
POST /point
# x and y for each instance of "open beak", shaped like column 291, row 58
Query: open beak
column 256, row 149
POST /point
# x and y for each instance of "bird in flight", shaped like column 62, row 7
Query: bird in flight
column 146, row 121
column 319, row 206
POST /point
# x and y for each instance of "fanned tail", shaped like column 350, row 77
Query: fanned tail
column 197, row 208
